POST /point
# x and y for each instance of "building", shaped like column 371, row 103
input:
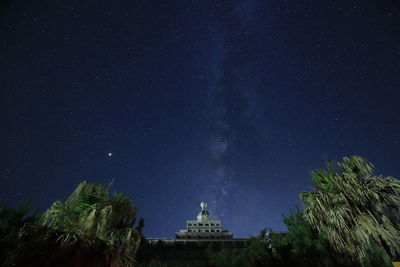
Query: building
column 203, row 232
column 203, row 227
column 190, row 245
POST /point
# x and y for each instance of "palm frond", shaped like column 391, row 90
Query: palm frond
column 354, row 209
column 93, row 219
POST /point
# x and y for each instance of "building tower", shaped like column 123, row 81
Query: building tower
column 204, row 227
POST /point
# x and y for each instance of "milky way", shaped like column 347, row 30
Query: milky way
column 174, row 102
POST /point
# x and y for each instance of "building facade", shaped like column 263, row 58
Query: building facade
column 191, row 245
column 204, row 227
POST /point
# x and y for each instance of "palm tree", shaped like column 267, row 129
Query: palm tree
column 90, row 228
column 355, row 210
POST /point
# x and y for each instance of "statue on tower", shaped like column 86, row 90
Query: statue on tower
column 203, row 215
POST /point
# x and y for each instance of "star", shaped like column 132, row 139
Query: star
column 109, row 154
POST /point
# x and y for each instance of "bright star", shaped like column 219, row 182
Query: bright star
column 109, row 154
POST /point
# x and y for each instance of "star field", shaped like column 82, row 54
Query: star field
column 175, row 102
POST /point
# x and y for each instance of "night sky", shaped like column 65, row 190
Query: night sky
column 231, row 102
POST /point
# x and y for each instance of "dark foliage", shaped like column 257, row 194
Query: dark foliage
column 90, row 228
column 11, row 220
column 300, row 246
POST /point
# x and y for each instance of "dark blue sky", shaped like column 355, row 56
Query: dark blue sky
column 232, row 102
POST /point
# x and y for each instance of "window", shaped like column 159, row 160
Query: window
column 206, row 224
column 207, row 231
column 212, row 224
column 200, row 224
column 190, row 224
column 212, row 230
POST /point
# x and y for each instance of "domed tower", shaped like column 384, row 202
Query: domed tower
column 203, row 216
